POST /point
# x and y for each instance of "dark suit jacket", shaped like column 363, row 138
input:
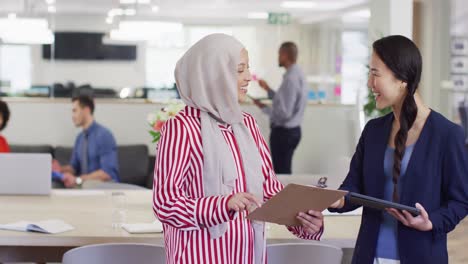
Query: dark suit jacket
column 436, row 177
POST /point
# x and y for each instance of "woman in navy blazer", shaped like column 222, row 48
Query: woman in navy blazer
column 413, row 156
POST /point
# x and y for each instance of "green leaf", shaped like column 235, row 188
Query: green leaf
column 370, row 108
column 156, row 138
column 154, row 133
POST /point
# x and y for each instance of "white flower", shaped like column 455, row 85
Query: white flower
column 151, row 118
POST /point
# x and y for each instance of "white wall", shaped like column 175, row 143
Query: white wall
column 106, row 74
column 329, row 131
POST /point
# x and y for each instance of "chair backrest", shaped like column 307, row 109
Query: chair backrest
column 133, row 164
column 116, row 254
column 150, row 177
column 132, row 159
column 303, row 253
column 31, row 149
column 63, row 154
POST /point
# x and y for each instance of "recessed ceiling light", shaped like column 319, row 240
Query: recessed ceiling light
column 50, row 2
column 51, row 9
column 26, row 31
column 109, row 20
column 155, row 8
column 298, row 4
column 258, row 15
column 115, row 12
column 144, row 30
column 356, row 16
column 12, row 16
column 129, row 12
column 364, row 13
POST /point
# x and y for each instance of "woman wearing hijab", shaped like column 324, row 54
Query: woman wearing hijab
column 213, row 164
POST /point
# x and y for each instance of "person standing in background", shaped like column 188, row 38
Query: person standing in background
column 287, row 111
column 94, row 155
column 4, row 117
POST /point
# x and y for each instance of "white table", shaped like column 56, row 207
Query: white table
column 90, row 213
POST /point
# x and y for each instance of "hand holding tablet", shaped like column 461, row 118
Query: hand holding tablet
column 380, row 204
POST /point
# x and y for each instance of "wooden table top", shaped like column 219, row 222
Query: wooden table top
column 89, row 211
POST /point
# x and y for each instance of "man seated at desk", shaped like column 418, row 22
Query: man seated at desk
column 94, row 155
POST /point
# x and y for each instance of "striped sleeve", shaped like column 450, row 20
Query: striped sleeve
column 171, row 204
column 272, row 185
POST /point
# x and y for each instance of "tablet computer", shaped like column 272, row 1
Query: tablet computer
column 376, row 203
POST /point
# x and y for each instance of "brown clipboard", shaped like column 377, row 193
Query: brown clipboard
column 284, row 206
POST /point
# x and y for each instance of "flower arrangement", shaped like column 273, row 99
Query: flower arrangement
column 157, row 119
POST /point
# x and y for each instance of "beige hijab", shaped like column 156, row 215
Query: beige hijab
column 206, row 78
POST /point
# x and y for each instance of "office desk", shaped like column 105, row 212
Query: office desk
column 90, row 213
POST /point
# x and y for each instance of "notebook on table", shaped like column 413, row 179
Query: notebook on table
column 53, row 226
column 143, row 228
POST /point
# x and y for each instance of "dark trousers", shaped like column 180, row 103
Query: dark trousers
column 283, row 142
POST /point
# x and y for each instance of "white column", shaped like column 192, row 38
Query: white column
column 390, row 17
column 435, row 49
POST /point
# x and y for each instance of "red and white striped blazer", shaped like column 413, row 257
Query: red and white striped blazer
column 180, row 204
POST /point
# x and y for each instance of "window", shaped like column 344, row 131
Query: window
column 15, row 68
column 354, row 67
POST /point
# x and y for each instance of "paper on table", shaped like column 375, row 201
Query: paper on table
column 73, row 193
column 283, row 207
column 143, row 228
column 52, row 226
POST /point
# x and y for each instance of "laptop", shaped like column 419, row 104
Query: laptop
column 25, row 174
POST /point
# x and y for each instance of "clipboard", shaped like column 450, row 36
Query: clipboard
column 380, row 204
column 283, row 207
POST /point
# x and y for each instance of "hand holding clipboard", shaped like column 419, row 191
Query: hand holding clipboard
column 284, row 207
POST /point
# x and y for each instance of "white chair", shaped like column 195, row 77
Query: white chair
column 116, row 254
column 303, row 253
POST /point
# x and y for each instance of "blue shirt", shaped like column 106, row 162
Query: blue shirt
column 387, row 242
column 102, row 152
column 290, row 101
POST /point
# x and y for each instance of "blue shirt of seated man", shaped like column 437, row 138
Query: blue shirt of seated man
column 101, row 152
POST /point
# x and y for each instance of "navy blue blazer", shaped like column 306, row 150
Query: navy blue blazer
column 436, row 177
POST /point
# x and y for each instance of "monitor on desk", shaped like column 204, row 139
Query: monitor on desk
column 25, row 174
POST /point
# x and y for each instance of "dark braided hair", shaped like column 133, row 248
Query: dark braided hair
column 403, row 58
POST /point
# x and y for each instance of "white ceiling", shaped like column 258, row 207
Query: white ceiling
column 204, row 10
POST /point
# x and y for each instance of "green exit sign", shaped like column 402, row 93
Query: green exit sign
column 279, row 18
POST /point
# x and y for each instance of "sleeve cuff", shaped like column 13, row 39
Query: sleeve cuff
column 436, row 223
column 111, row 173
column 301, row 233
column 213, row 210
column 271, row 93
column 267, row 110
column 228, row 214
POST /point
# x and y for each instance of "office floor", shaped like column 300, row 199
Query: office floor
column 457, row 241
